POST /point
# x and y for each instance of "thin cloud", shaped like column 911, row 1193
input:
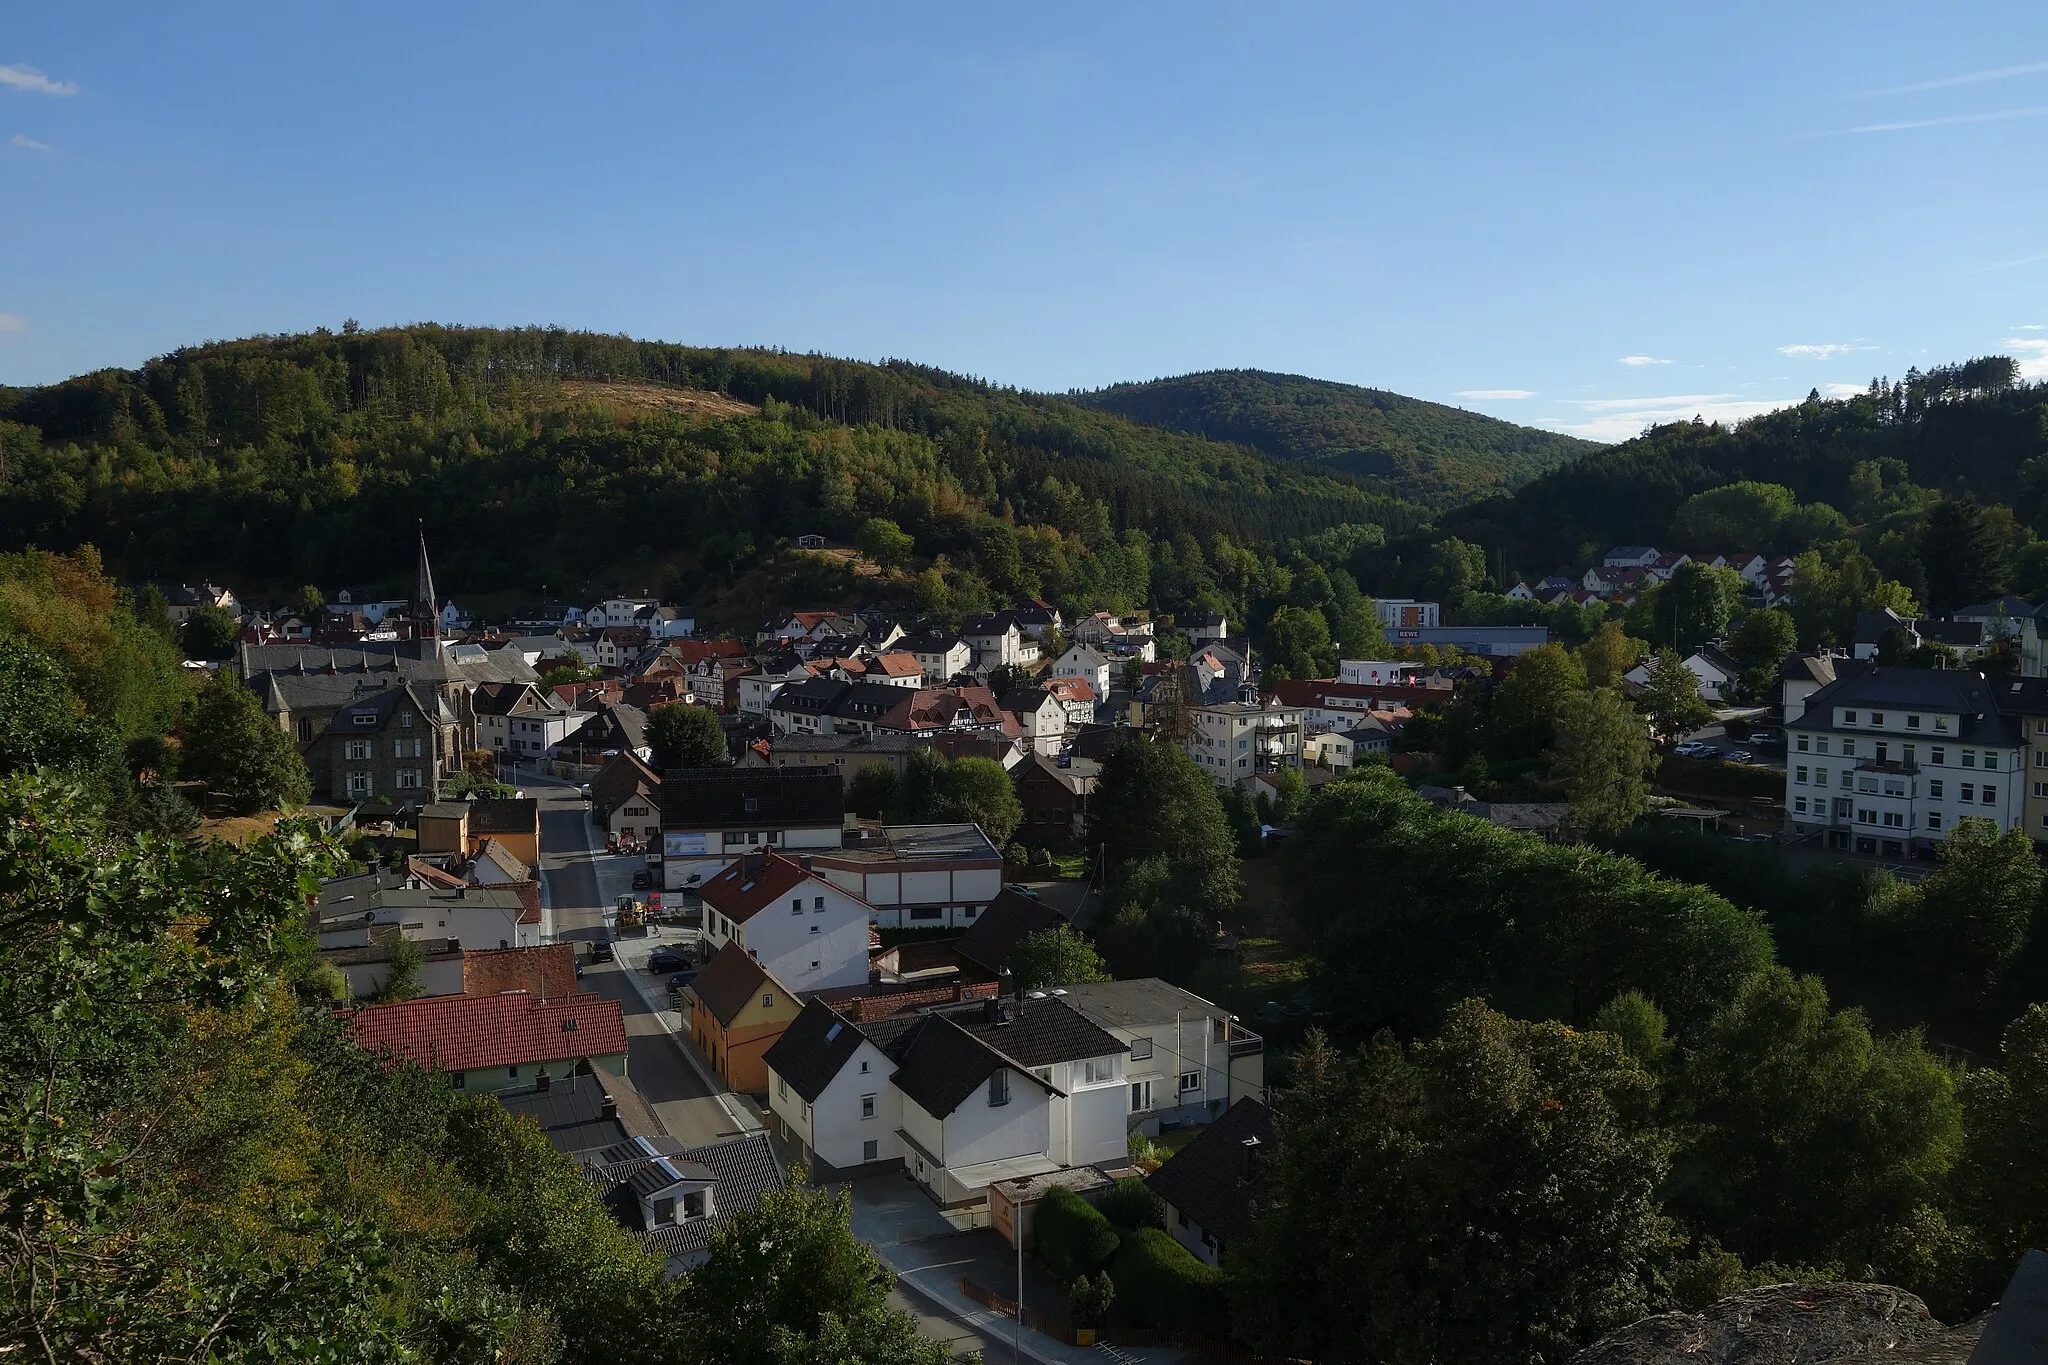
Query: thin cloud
column 1826, row 350
column 1643, row 360
column 35, row 82
column 13, row 322
column 2007, row 265
column 29, row 144
column 2028, row 327
column 2000, row 73
column 1495, row 394
column 1618, row 419
column 2033, row 356
column 1842, row 390
column 2034, row 111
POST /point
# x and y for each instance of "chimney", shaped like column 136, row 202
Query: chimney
column 543, row 1082
column 992, row 1010
column 1249, row 1167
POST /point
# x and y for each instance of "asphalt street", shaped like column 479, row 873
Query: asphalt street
column 581, row 880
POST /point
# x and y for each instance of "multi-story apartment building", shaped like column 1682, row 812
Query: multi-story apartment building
column 1236, row 741
column 1887, row 761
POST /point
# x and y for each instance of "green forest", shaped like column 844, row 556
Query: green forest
column 1428, row 453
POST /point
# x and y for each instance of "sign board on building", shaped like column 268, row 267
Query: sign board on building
column 675, row 844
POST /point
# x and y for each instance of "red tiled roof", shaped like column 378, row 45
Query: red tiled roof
column 547, row 972
column 469, row 1032
column 895, row 664
column 1070, row 689
column 740, row 892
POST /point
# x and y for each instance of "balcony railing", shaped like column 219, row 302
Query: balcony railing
column 1244, row 1043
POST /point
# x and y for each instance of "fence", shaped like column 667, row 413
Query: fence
column 1033, row 1318
column 1194, row 1343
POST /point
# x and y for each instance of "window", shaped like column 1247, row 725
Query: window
column 1799, row 804
column 664, row 1210
column 1799, row 776
column 1847, row 777
column 767, row 999
column 1866, row 816
column 1804, row 744
column 816, row 928
column 1190, row 1080
column 782, row 1086
column 405, row 720
column 1912, row 722
column 814, row 964
column 457, row 1079
column 1987, row 794
column 1141, row 1049
column 1821, row 776
column 926, row 912
column 1141, row 1096
column 867, row 1106
column 1848, row 747
column 871, row 1150
column 358, row 784
column 796, row 906
column 1883, row 751
column 1848, row 718
column 1909, row 753
column 1820, row 745
column 999, row 1089
column 1966, row 792
column 1934, row 789
column 1877, row 717
column 1934, row 819
column 512, row 1071
column 863, row 1068
column 2041, row 789
column 365, row 718
column 355, row 750
column 818, row 904
column 1098, row 1071
column 1894, row 819
column 2041, row 758
column 1969, row 758
column 305, row 732
column 1990, row 760
column 1941, row 724
column 1180, row 1218
column 1937, row 756
column 693, row 1204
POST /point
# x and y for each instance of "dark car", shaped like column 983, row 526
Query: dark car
column 681, row 979
column 643, row 881
column 601, row 951
column 666, row 960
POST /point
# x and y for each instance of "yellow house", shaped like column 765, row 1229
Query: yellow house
column 738, row 1013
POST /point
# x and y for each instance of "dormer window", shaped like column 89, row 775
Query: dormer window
column 1877, row 717
column 664, row 1211
column 365, row 718
column 1912, row 722
column 1848, row 718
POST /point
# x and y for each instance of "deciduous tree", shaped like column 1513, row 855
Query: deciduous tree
column 1605, row 757
column 240, row 753
column 686, row 736
column 1055, row 957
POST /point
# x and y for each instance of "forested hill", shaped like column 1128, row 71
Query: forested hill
column 547, row 457
column 1426, row 451
column 1966, row 430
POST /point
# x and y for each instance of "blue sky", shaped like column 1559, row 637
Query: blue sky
column 1583, row 220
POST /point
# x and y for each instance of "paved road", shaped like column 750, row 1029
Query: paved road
column 581, row 880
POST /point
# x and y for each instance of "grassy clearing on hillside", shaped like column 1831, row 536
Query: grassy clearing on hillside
column 642, row 396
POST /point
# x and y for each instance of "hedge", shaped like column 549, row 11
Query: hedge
column 1159, row 1283
column 1073, row 1237
column 1132, row 1205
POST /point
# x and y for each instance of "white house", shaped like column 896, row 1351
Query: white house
column 959, row 1096
column 1076, row 696
column 710, row 816
column 618, row 611
column 918, row 876
column 534, row 733
column 998, row 640
column 1235, row 741
column 802, row 929
column 1189, row 1059
column 1629, row 557
column 941, row 657
column 1715, row 672
column 477, row 916
column 1042, row 716
column 1888, row 760
column 1087, row 663
column 1376, row 673
column 758, row 687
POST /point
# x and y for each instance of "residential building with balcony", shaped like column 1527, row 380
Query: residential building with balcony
column 1236, row 741
column 1887, row 761
column 1189, row 1058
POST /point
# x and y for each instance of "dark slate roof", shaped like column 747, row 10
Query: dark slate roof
column 651, row 1177
column 942, row 1064
column 1020, row 700
column 1892, row 689
column 1961, row 634
column 994, row 936
column 812, row 1049
column 2008, row 605
column 715, row 798
column 744, row 1168
column 1034, row 1031
column 499, row 699
column 728, row 981
column 868, row 701
column 810, row 697
column 929, row 643
column 504, row 815
column 570, row 1111
column 1207, row 1179
column 2021, row 696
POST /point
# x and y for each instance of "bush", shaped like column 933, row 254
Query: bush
column 1132, row 1205
column 1161, row 1284
column 1041, row 857
column 1074, row 1239
column 1089, row 1298
column 1015, row 856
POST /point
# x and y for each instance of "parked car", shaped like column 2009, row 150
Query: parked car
column 601, row 951
column 584, row 791
column 1693, row 748
column 1738, row 756
column 1765, row 737
column 681, row 979
column 643, row 881
column 666, row 960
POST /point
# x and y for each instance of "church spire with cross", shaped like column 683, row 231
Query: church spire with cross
column 426, row 607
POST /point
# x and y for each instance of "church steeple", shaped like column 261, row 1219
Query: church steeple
column 426, row 607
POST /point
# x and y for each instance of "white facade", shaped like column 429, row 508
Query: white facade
column 855, row 1118
column 940, row 665
column 1407, row 612
column 1885, row 781
column 533, row 733
column 690, row 857
column 1234, row 741
column 1086, row 663
column 1376, row 673
column 479, row 917
column 1713, row 682
column 812, row 938
column 913, row 893
column 616, row 611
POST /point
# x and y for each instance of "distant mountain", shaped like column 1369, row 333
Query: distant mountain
column 1434, row 454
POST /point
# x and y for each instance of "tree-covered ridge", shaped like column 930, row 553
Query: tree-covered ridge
column 1971, row 429
column 311, row 456
column 1426, row 451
